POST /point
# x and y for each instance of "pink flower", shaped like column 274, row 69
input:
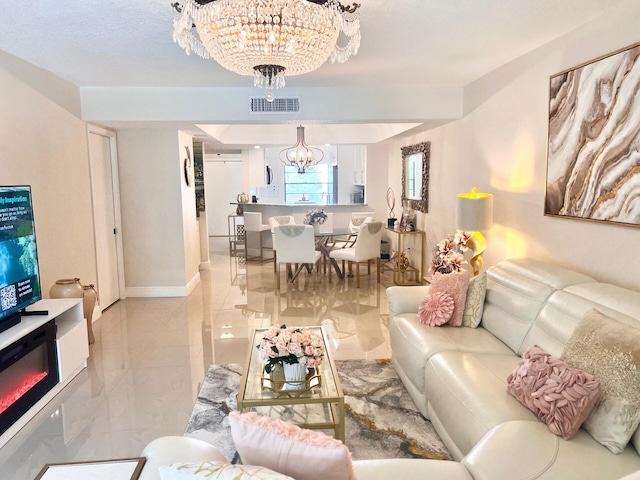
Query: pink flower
column 294, row 347
column 271, row 353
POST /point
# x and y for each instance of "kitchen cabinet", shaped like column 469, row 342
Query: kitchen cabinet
column 360, row 165
column 254, row 164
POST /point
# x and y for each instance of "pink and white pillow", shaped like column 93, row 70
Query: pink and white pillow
column 436, row 309
column 217, row 471
column 454, row 284
column 288, row 449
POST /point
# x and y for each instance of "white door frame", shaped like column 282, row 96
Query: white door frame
column 113, row 150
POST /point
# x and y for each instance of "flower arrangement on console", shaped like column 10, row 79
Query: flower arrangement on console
column 448, row 255
column 315, row 217
column 282, row 344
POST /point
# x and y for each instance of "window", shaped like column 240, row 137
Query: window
column 314, row 186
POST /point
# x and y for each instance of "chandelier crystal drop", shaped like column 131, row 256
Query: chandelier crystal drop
column 301, row 155
column 268, row 38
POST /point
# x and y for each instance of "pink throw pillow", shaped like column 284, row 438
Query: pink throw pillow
column 288, row 449
column 436, row 309
column 455, row 284
column 560, row 395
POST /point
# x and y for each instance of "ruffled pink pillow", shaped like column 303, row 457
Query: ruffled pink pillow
column 436, row 309
column 455, row 284
column 560, row 395
column 288, row 449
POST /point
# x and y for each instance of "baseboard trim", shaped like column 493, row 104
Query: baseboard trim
column 157, row 291
column 193, row 283
column 177, row 291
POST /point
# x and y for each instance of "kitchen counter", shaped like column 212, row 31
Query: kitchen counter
column 341, row 211
column 300, row 204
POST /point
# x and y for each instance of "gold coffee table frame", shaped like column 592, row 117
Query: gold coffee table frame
column 320, row 407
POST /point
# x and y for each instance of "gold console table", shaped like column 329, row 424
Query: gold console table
column 411, row 275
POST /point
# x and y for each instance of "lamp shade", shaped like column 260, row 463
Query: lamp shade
column 474, row 211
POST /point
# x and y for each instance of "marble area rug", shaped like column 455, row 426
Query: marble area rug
column 381, row 419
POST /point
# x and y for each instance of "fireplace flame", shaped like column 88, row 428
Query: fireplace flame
column 27, row 385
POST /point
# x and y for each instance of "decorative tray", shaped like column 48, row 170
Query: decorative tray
column 291, row 389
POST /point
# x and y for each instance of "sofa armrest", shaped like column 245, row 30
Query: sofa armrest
column 174, row 449
column 524, row 450
column 410, row 469
column 405, row 299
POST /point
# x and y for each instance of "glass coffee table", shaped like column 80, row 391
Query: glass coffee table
column 318, row 404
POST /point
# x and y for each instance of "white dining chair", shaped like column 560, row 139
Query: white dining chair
column 296, row 245
column 365, row 249
column 273, row 223
column 355, row 222
column 360, row 218
column 253, row 225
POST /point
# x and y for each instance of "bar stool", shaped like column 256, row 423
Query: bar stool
column 253, row 224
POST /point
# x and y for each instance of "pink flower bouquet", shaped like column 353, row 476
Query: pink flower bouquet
column 448, row 255
column 280, row 344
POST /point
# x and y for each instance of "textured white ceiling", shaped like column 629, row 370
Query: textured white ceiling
column 411, row 43
column 419, row 42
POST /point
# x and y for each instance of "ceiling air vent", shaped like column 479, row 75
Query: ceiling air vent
column 278, row 105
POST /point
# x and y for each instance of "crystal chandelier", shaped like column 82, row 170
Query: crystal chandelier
column 301, row 155
column 267, row 39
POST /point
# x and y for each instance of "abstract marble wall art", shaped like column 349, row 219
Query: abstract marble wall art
column 593, row 158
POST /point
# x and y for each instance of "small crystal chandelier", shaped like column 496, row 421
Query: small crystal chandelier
column 267, row 38
column 301, row 155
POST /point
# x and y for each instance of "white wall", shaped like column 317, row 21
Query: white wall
column 151, row 180
column 44, row 145
column 500, row 146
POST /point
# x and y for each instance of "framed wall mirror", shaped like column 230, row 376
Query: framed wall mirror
column 415, row 175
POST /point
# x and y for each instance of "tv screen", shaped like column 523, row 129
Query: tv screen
column 19, row 273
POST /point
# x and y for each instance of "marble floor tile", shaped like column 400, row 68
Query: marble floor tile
column 151, row 354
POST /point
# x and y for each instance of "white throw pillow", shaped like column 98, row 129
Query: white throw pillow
column 474, row 306
column 217, row 471
column 610, row 350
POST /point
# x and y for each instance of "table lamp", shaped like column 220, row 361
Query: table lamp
column 474, row 212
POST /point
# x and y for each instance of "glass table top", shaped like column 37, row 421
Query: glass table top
column 257, row 389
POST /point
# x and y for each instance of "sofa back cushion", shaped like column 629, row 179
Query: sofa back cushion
column 516, row 291
column 565, row 308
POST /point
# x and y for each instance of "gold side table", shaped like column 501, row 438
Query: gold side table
column 413, row 274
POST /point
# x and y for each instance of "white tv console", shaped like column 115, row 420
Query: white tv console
column 72, row 345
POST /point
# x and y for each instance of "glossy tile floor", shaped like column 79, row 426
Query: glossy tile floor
column 151, row 355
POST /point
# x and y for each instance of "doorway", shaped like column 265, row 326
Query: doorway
column 222, row 183
column 106, row 215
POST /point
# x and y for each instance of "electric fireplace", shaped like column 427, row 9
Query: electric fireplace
column 28, row 370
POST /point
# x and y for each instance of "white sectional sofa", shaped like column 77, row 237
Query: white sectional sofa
column 458, row 376
column 458, row 379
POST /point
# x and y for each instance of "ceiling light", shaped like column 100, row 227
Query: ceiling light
column 301, row 155
column 268, row 39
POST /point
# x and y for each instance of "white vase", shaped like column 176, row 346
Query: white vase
column 316, row 228
column 295, row 375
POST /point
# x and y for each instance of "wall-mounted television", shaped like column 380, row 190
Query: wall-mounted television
column 19, row 272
